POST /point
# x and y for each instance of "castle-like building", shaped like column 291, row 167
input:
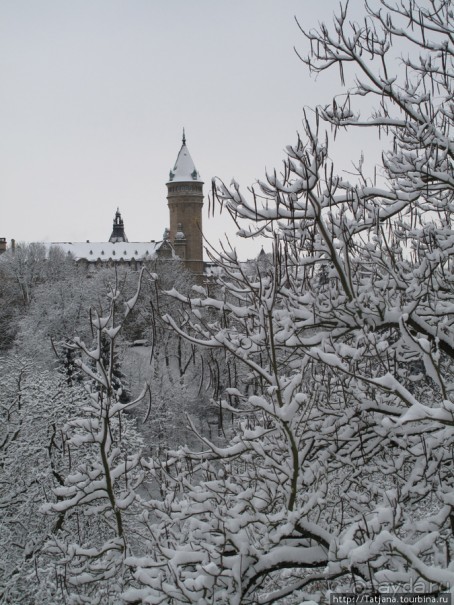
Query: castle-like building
column 183, row 238
column 185, row 201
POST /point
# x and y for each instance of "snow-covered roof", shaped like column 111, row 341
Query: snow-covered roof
column 104, row 251
column 184, row 169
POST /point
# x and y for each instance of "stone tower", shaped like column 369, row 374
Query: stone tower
column 185, row 201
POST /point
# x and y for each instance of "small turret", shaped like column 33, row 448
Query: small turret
column 179, row 243
column 180, row 234
column 118, row 231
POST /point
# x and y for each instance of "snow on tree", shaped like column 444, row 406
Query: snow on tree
column 98, row 494
column 22, row 271
column 60, row 307
column 340, row 474
column 34, row 407
column 182, row 378
column 28, row 265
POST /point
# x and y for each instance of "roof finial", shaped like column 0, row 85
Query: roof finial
column 184, row 138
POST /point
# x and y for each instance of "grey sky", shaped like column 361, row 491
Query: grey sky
column 95, row 93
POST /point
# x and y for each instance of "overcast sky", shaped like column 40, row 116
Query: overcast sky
column 95, row 93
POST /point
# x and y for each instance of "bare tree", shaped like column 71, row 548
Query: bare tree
column 21, row 271
column 340, row 474
column 98, row 494
column 34, row 407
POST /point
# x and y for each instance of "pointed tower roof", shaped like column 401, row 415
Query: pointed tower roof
column 118, row 231
column 184, row 169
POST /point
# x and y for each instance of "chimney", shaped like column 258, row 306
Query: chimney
column 2, row 245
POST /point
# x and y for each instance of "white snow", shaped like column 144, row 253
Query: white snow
column 184, row 170
column 105, row 251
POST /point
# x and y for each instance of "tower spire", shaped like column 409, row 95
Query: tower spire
column 184, row 137
column 118, row 231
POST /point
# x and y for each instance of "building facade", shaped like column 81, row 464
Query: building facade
column 183, row 238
